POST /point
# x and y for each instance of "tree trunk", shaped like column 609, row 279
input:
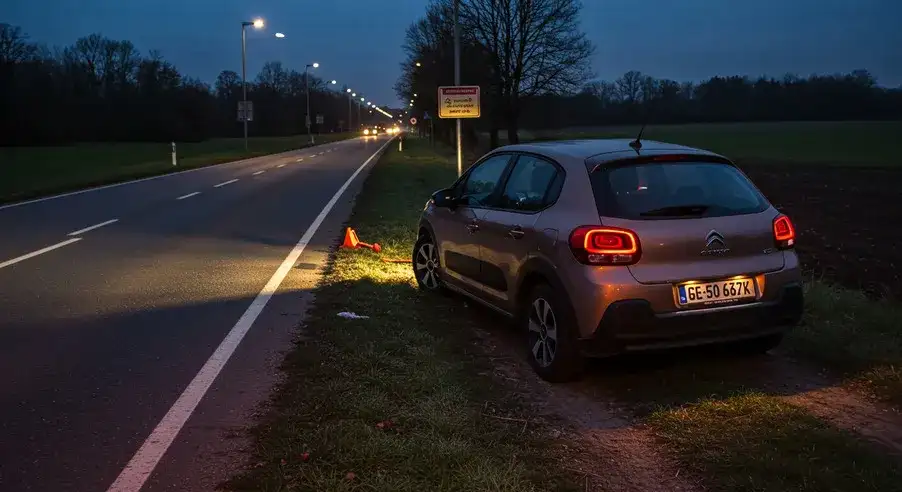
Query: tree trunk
column 493, row 136
column 512, row 116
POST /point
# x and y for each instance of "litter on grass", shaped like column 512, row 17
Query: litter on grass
column 351, row 315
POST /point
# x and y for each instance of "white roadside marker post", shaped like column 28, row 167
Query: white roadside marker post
column 174, row 162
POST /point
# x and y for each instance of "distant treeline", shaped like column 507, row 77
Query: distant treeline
column 635, row 97
column 101, row 89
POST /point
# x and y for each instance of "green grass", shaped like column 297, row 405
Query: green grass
column 854, row 335
column 755, row 442
column 847, row 143
column 410, row 363
column 27, row 172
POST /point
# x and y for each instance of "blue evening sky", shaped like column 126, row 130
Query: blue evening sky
column 358, row 42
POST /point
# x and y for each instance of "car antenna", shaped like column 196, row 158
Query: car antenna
column 637, row 143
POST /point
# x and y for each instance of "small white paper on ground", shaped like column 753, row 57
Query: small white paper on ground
column 350, row 315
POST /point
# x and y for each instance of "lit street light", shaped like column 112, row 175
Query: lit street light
column 280, row 35
column 307, row 90
column 334, row 82
column 419, row 65
column 258, row 24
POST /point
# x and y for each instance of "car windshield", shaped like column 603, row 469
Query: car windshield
column 674, row 190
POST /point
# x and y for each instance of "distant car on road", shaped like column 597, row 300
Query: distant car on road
column 371, row 130
column 598, row 247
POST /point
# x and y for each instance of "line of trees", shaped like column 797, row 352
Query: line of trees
column 100, row 89
column 635, row 98
column 532, row 62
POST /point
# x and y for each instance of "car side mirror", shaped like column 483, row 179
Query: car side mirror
column 445, row 198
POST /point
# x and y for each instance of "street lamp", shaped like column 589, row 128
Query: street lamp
column 280, row 35
column 419, row 65
column 258, row 24
column 307, row 90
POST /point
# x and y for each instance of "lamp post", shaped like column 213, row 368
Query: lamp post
column 307, row 90
column 258, row 24
column 360, row 105
column 350, row 126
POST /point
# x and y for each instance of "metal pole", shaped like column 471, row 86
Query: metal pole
column 307, row 90
column 244, row 80
column 460, row 157
column 350, row 124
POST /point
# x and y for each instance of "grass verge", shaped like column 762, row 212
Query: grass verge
column 844, row 143
column 854, row 335
column 755, row 442
column 29, row 172
column 396, row 401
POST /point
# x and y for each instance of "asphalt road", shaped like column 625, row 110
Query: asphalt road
column 103, row 330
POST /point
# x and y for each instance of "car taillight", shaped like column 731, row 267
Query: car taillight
column 595, row 245
column 784, row 232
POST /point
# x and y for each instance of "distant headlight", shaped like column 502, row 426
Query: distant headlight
column 366, row 132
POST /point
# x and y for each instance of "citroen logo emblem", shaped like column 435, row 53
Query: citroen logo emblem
column 715, row 245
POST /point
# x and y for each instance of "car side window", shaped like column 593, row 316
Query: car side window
column 482, row 180
column 527, row 188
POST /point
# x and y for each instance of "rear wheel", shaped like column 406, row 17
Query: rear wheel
column 551, row 336
column 426, row 267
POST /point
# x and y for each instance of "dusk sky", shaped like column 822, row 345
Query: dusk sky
column 359, row 42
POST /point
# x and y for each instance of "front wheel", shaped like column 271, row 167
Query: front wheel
column 551, row 336
column 426, row 267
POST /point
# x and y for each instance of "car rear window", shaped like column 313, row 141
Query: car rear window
column 669, row 190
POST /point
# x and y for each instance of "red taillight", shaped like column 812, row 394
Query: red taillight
column 784, row 232
column 594, row 245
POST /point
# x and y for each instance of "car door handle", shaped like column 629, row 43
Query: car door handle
column 516, row 232
column 473, row 227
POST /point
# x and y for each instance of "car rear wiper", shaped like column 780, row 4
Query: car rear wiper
column 676, row 211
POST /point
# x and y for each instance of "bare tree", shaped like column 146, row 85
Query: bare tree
column 14, row 45
column 629, row 86
column 533, row 46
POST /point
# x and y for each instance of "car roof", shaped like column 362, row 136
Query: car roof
column 598, row 151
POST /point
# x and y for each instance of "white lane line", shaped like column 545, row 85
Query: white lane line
column 126, row 183
column 38, row 252
column 258, row 173
column 299, row 160
column 314, row 155
column 91, row 228
column 225, row 183
column 189, row 195
column 280, row 165
column 142, row 464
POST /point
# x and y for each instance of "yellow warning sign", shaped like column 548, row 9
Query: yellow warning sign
column 458, row 101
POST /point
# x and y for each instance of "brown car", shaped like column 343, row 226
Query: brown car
column 597, row 247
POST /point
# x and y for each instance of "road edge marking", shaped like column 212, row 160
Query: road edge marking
column 91, row 228
column 39, row 252
column 145, row 460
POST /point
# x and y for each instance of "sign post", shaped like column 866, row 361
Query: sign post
column 458, row 102
column 174, row 160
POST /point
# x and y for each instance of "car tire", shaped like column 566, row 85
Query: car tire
column 551, row 335
column 426, row 265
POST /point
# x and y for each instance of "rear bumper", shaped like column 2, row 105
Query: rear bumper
column 631, row 325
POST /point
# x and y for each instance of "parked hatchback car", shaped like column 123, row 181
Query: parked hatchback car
column 598, row 247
